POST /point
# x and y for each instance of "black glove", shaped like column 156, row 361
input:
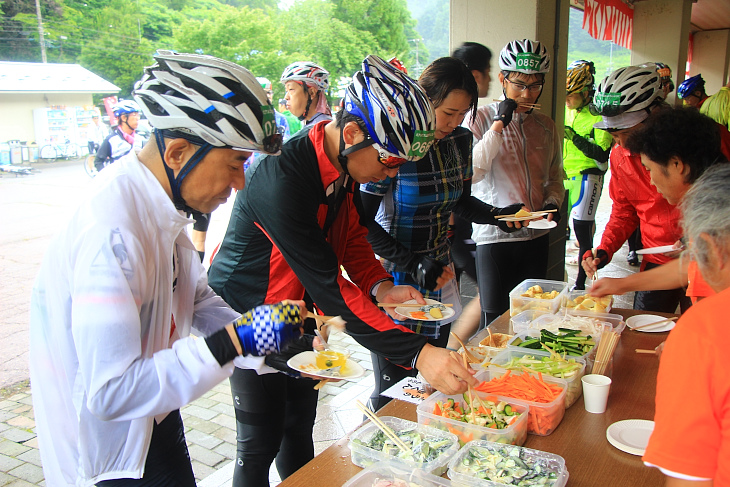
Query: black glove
column 425, row 271
column 507, row 210
column 556, row 214
column 569, row 133
column 601, row 255
column 278, row 360
column 504, row 111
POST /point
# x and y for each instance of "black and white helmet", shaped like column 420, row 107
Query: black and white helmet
column 524, row 56
column 210, row 99
column 628, row 89
column 307, row 73
column 398, row 114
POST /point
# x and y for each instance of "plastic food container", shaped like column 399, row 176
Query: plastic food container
column 542, row 418
column 385, row 472
column 616, row 321
column 463, row 468
column 364, row 456
column 519, row 303
column 575, row 387
column 578, row 301
column 514, row 434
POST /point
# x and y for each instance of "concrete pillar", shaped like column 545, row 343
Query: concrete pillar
column 711, row 58
column 661, row 34
column 494, row 23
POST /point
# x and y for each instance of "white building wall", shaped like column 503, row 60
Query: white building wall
column 16, row 111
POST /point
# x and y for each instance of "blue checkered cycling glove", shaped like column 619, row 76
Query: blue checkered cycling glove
column 267, row 329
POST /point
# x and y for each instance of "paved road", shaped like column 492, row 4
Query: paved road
column 34, row 207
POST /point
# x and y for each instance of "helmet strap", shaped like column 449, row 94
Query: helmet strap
column 303, row 116
column 342, row 156
column 176, row 182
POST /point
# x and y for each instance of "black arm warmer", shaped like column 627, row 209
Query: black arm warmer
column 220, row 345
column 473, row 209
column 383, row 244
column 594, row 151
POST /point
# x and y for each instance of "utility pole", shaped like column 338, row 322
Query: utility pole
column 41, row 38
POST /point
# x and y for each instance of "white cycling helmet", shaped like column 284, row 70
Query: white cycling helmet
column 216, row 101
column 307, row 73
column 624, row 97
column 398, row 114
column 125, row 107
column 264, row 82
column 524, row 56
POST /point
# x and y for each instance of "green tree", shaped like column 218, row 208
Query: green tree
column 386, row 20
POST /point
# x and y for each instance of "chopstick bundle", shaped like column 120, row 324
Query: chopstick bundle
column 522, row 104
column 660, row 322
column 605, row 350
column 384, row 428
column 409, row 305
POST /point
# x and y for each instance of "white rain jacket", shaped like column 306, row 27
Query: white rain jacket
column 105, row 357
column 522, row 165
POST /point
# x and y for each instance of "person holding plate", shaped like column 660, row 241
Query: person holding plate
column 517, row 158
column 414, row 206
column 690, row 443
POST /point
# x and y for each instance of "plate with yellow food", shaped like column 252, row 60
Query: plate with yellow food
column 523, row 215
column 431, row 311
column 327, row 364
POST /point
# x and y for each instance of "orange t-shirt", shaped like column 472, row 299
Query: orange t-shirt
column 692, row 420
column 697, row 287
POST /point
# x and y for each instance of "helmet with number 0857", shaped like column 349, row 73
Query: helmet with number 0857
column 627, row 89
column 397, row 113
column 208, row 99
column 525, row 56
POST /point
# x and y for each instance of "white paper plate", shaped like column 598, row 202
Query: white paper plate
column 639, row 320
column 630, row 435
column 534, row 216
column 542, row 224
column 353, row 370
column 658, row 250
column 406, row 310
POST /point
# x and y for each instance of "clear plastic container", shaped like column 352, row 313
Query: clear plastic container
column 519, row 303
column 520, row 322
column 364, row 456
column 389, row 472
column 616, row 321
column 461, row 473
column 514, row 434
column 485, row 352
column 575, row 387
column 578, row 301
column 542, row 418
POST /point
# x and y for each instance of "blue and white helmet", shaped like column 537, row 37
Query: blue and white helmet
column 398, row 114
column 125, row 107
column 211, row 99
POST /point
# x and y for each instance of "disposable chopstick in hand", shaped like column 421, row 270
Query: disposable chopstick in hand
column 409, row 305
column 660, row 322
column 643, row 350
column 383, row 427
column 532, row 213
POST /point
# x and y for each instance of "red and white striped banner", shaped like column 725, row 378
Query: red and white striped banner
column 609, row 20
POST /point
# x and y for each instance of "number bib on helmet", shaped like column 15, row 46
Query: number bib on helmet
column 602, row 100
column 268, row 121
column 528, row 60
column 422, row 140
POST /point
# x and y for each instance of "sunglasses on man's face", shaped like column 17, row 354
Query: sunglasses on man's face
column 391, row 162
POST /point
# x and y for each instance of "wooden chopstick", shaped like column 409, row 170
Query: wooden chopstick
column 383, row 427
column 642, row 350
column 409, row 305
column 531, row 213
column 655, row 323
column 523, row 104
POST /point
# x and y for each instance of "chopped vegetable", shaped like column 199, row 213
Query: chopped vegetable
column 418, row 315
column 566, row 342
column 495, row 415
column 436, row 313
column 511, row 465
column 425, row 448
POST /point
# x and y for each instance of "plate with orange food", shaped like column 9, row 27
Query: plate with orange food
column 326, row 364
column 431, row 311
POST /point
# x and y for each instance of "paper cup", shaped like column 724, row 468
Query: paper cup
column 595, row 392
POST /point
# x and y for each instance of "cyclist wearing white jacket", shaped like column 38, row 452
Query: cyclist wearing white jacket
column 517, row 162
column 121, row 287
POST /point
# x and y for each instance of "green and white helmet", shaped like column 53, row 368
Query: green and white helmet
column 628, row 89
column 524, row 56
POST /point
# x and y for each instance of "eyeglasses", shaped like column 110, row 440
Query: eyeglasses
column 519, row 87
column 391, row 162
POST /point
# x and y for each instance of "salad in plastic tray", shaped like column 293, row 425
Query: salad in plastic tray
column 430, row 448
column 495, row 465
